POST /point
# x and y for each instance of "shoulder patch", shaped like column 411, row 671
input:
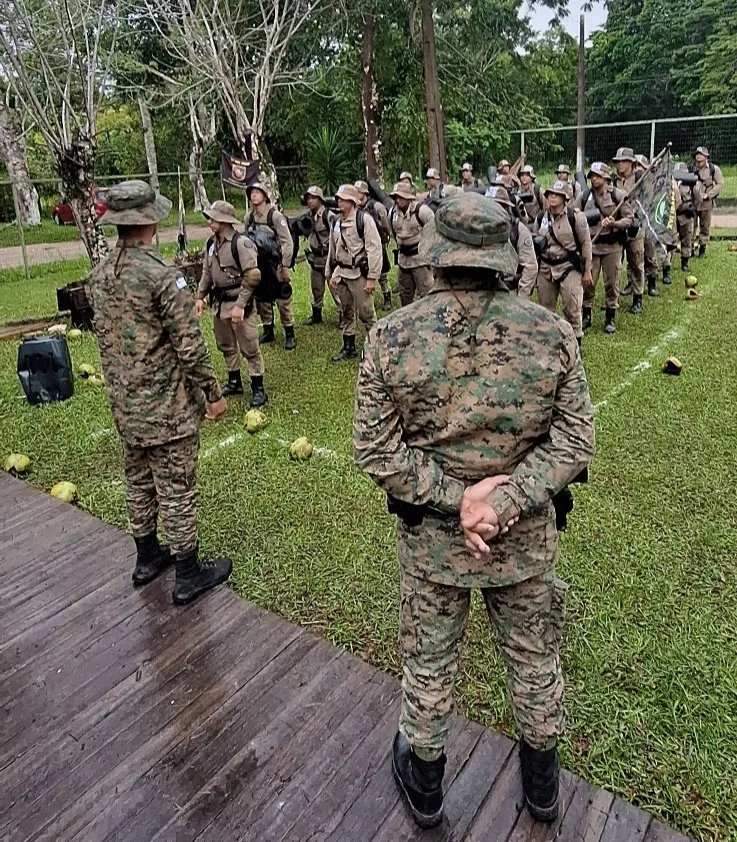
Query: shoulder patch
column 181, row 282
column 283, row 223
column 528, row 240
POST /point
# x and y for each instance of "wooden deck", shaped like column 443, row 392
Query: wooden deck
column 125, row 718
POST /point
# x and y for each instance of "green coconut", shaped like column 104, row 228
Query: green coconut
column 65, row 491
column 301, row 449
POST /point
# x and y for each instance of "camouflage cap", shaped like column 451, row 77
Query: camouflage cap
column 432, row 173
column 702, row 150
column 503, row 163
column 563, row 168
column 601, row 169
column 467, row 167
column 362, row 187
column 314, row 191
column 528, row 169
column 401, row 191
column 406, row 176
column 499, row 193
column 468, row 230
column 625, row 153
column 349, row 192
column 257, row 185
column 642, row 160
column 561, row 188
column 221, row 211
column 134, row 203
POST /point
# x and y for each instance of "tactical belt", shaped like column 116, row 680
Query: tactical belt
column 221, row 294
column 409, row 251
column 321, row 252
column 554, row 261
column 411, row 514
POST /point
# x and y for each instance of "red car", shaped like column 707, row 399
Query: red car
column 62, row 214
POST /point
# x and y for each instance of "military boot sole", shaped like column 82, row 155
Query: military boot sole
column 209, row 577
column 144, row 574
column 544, row 814
column 424, row 820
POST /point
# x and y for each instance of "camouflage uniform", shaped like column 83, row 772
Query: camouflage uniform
column 499, row 389
column 414, row 274
column 557, row 274
column 157, row 369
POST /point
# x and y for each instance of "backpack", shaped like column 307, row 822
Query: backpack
column 575, row 257
column 370, row 205
column 712, row 169
column 269, row 258
column 393, row 213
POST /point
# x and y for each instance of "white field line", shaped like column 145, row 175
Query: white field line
column 325, row 452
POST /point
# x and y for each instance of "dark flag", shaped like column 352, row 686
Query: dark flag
column 237, row 173
column 182, row 235
column 655, row 201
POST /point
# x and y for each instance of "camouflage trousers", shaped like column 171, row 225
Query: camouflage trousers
column 415, row 280
column 163, row 480
column 527, row 618
column 266, row 311
column 635, row 251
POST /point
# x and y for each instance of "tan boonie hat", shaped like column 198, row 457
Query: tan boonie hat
column 406, row 176
column 624, row 153
column 362, row 187
column 468, row 230
column 563, row 168
column 314, row 191
column 681, row 166
column 529, row 170
column 642, row 160
column 401, row 191
column 599, row 168
column 134, row 203
column 561, row 188
column 257, row 185
column 467, row 168
column 499, row 193
column 221, row 211
column 503, row 163
column 349, row 192
column 702, row 150
column 432, row 173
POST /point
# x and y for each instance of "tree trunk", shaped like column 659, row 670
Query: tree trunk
column 13, row 153
column 369, row 102
column 435, row 127
column 268, row 170
column 196, row 162
column 149, row 143
column 75, row 168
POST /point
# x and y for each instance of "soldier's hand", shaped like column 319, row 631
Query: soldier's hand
column 237, row 314
column 215, row 411
column 199, row 307
column 333, row 283
column 369, row 286
column 286, row 274
column 608, row 222
column 587, row 280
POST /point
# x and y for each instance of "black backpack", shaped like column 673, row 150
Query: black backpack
column 393, row 213
column 575, row 257
column 370, row 205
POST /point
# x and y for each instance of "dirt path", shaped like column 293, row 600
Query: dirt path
column 51, row 252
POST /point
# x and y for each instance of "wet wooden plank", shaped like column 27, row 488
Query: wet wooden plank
column 625, row 823
column 659, row 832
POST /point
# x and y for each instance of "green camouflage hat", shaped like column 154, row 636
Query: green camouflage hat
column 469, row 230
column 134, row 203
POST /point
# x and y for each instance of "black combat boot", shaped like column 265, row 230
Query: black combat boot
column 258, row 393
column 627, row 290
column 667, row 280
column 652, row 288
column 685, row 267
column 267, row 336
column 609, row 320
column 290, row 340
column 702, row 249
column 151, row 560
column 234, row 386
column 540, row 775
column 315, row 318
column 387, row 300
column 194, row 577
column 420, row 782
column 348, row 351
column 636, row 308
column 586, row 318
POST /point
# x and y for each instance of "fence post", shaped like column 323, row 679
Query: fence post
column 652, row 140
column 21, row 234
column 521, row 143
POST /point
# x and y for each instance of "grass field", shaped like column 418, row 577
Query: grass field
column 650, row 655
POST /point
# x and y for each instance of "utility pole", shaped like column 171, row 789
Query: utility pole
column 581, row 120
column 435, row 127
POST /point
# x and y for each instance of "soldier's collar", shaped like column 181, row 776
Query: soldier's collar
column 463, row 285
column 227, row 235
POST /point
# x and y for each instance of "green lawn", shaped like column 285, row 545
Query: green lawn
column 650, row 655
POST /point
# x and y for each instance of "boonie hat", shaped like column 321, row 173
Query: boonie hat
column 500, row 194
column 221, row 211
column 349, row 192
column 362, row 187
column 702, row 150
column 563, row 168
column 624, row 153
column 406, row 176
column 467, row 230
column 316, row 192
column 402, row 191
column 560, row 188
column 503, row 163
column 528, row 168
column 599, row 168
column 134, row 203
column 642, row 160
column 467, row 168
column 432, row 173
column 257, row 185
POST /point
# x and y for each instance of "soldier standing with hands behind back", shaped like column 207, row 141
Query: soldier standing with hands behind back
column 230, row 276
column 471, row 430
column 159, row 382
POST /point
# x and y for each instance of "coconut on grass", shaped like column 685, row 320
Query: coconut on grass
column 65, row 491
column 17, row 463
column 301, row 449
column 255, row 420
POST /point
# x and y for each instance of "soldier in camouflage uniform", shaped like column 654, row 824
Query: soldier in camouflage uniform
column 471, row 430
column 381, row 218
column 159, row 382
column 407, row 219
column 230, row 276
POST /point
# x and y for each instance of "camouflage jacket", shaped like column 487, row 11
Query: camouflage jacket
column 436, row 412
column 155, row 360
